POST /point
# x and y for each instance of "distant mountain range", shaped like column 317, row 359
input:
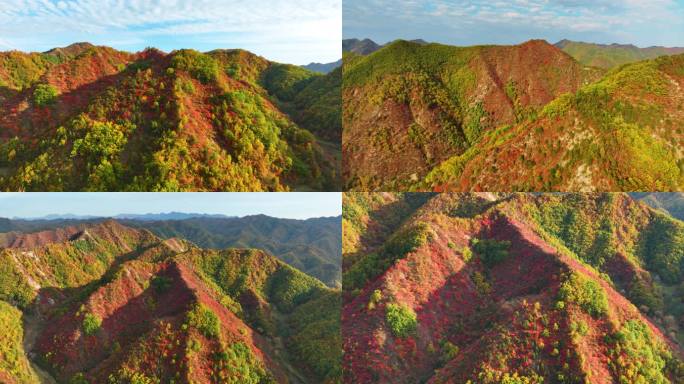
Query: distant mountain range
column 312, row 246
column 87, row 117
column 323, row 68
column 143, row 217
column 670, row 202
column 527, row 117
column 612, row 55
column 368, row 46
column 107, row 303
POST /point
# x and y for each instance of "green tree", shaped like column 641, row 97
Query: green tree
column 401, row 319
column 44, row 94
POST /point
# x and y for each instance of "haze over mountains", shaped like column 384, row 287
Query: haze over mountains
column 103, row 302
column 528, row 117
column 94, row 118
column 522, row 288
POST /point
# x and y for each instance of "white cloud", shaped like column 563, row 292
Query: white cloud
column 266, row 20
column 635, row 19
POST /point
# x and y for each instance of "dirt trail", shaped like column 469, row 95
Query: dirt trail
column 32, row 327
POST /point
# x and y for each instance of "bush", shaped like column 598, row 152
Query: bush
column 202, row 67
column 588, row 294
column 161, row 283
column 375, row 298
column 91, row 324
column 638, row 357
column 78, row 378
column 44, row 94
column 205, row 321
column 491, row 251
column 449, row 351
column 401, row 319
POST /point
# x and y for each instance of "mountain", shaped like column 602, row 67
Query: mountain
column 672, row 203
column 511, row 288
column 323, row 68
column 171, row 216
column 367, row 46
column 419, row 104
column 312, row 245
column 509, row 118
column 109, row 303
column 94, row 118
column 359, row 47
column 613, row 55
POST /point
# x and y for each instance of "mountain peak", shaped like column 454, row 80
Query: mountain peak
column 71, row 50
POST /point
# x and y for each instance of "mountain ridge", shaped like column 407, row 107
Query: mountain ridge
column 188, row 131
column 517, row 288
column 163, row 301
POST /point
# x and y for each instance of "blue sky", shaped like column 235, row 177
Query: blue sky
column 460, row 22
column 290, row 31
column 295, row 205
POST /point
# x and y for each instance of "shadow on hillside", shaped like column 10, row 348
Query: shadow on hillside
column 46, row 313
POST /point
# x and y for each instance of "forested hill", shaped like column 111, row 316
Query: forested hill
column 87, row 117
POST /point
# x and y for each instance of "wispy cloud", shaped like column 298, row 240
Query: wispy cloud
column 303, row 25
column 651, row 22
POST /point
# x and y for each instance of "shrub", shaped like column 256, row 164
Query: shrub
column 102, row 140
column 638, row 357
column 401, row 319
column 491, row 251
column 78, row 378
column 202, row 67
column 205, row 321
column 91, row 324
column 375, row 298
column 588, row 294
column 481, row 283
column 161, row 283
column 449, row 351
column 44, row 94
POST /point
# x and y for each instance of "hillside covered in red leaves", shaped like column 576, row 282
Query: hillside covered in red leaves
column 105, row 303
column 526, row 117
column 511, row 288
column 88, row 117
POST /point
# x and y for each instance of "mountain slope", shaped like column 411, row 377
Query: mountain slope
column 517, row 288
column 613, row 55
column 162, row 310
column 94, row 118
column 620, row 133
column 419, row 104
column 312, row 246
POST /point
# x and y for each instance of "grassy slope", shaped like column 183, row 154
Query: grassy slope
column 14, row 365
